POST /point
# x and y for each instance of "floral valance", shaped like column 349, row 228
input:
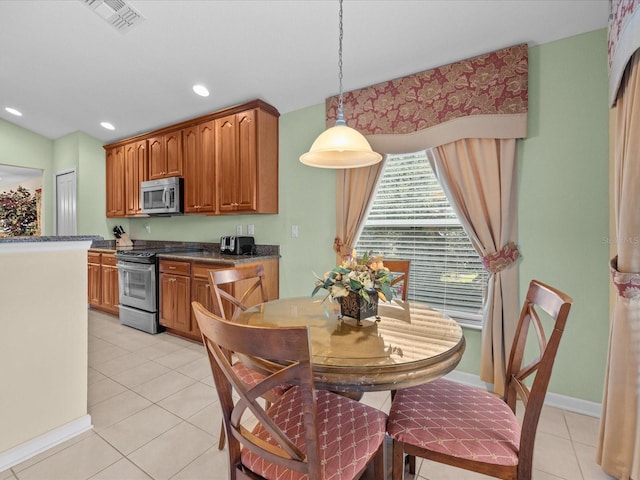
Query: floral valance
column 491, row 88
column 623, row 41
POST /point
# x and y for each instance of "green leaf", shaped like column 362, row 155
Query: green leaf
column 386, row 290
column 364, row 294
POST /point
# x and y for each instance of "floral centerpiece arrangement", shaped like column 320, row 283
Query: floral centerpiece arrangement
column 365, row 281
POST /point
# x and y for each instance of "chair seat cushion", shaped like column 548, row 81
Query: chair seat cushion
column 252, row 377
column 349, row 435
column 457, row 420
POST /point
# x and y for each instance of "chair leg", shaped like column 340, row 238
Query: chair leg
column 379, row 467
column 221, row 442
column 397, row 472
column 411, row 460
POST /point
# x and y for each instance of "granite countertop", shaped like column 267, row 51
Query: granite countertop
column 217, row 257
column 35, row 239
column 192, row 251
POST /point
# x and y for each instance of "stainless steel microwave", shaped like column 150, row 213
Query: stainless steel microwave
column 162, row 197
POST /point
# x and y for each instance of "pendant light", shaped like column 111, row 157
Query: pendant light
column 340, row 146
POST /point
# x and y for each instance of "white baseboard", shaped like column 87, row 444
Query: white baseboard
column 557, row 400
column 33, row 447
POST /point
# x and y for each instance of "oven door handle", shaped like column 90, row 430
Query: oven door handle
column 136, row 267
column 126, row 283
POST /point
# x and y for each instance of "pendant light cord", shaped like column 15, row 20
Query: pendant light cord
column 340, row 120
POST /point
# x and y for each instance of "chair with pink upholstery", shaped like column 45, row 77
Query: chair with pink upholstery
column 247, row 282
column 306, row 433
column 472, row 429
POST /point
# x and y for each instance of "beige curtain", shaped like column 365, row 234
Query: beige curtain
column 354, row 191
column 479, row 178
column 619, row 442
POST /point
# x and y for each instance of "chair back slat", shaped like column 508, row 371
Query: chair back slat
column 286, row 347
column 252, row 277
column 556, row 304
column 400, row 267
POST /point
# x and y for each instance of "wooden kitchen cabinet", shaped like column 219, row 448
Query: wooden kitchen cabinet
column 110, row 292
column 94, row 279
column 247, row 162
column 135, row 172
column 228, row 159
column 199, row 168
column 175, row 296
column 103, row 286
column 115, row 185
column 183, row 282
column 165, row 155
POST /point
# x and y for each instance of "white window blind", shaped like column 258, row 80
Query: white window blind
column 412, row 219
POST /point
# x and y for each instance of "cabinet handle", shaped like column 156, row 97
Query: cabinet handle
column 172, row 268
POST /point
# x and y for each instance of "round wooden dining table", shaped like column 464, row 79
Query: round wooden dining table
column 410, row 344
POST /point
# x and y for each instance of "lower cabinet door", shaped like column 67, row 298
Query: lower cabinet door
column 200, row 292
column 95, row 285
column 175, row 302
column 110, row 292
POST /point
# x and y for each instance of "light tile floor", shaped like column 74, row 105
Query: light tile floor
column 155, row 415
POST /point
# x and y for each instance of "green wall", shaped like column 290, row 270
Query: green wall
column 84, row 153
column 23, row 148
column 562, row 201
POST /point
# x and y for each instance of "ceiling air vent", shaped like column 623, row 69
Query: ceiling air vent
column 118, row 13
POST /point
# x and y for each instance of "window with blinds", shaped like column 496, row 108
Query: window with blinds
column 412, row 219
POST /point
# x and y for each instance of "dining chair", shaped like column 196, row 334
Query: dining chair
column 306, row 433
column 469, row 428
column 247, row 279
column 400, row 267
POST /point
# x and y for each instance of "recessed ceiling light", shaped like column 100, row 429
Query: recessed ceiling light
column 201, row 90
column 108, row 126
column 13, row 111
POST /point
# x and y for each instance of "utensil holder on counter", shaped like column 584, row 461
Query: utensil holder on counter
column 124, row 241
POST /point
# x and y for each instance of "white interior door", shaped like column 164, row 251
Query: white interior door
column 66, row 203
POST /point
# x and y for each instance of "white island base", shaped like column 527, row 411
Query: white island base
column 43, row 345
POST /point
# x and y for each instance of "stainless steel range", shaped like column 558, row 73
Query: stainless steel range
column 138, row 285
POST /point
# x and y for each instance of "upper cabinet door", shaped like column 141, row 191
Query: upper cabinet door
column 115, row 184
column 247, row 160
column 135, row 160
column 236, row 157
column 227, row 164
column 157, row 158
column 165, row 155
column 207, row 167
column 191, row 161
column 173, row 151
column 199, row 168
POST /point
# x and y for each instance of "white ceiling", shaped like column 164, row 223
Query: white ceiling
column 66, row 69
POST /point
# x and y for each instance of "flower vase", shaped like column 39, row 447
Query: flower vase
column 354, row 306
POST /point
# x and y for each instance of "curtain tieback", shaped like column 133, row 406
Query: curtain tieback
column 503, row 258
column 628, row 284
column 340, row 247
